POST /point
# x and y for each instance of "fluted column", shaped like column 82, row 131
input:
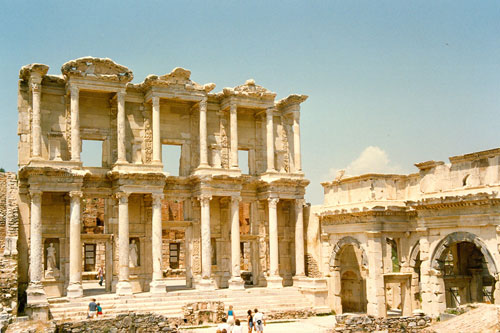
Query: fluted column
column 236, row 282
column 299, row 238
column 206, row 246
column 75, row 247
column 274, row 280
column 296, row 141
column 36, row 88
column 157, row 284
column 75, row 123
column 156, row 130
column 36, row 254
column 233, row 121
column 123, row 287
column 120, row 125
column 270, row 139
column 203, row 133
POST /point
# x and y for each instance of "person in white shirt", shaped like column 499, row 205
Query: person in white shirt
column 237, row 328
column 259, row 321
column 224, row 326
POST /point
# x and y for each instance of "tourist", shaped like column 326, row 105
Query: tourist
column 259, row 321
column 100, row 275
column 92, row 309
column 99, row 310
column 230, row 316
column 250, row 321
column 237, row 327
column 224, row 326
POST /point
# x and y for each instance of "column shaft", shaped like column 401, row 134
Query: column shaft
column 156, row 130
column 233, row 119
column 296, row 141
column 75, row 247
column 270, row 139
column 203, row 133
column 157, row 237
column 36, row 88
column 299, row 238
column 123, row 287
column 75, row 124
column 206, row 247
column 120, row 124
column 273, row 237
column 36, row 255
column 235, row 237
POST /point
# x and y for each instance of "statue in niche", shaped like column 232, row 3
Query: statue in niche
column 224, row 146
column 282, row 150
column 133, row 254
column 52, row 271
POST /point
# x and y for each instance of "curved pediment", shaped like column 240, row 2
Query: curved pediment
column 249, row 89
column 179, row 77
column 99, row 68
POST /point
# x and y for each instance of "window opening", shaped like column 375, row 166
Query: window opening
column 171, row 158
column 91, row 155
column 174, row 255
column 243, row 161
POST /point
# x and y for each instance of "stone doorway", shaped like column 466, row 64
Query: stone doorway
column 351, row 292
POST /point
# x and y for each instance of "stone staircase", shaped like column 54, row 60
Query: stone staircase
column 170, row 304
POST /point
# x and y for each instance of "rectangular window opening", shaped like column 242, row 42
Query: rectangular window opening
column 171, row 159
column 174, row 255
column 243, row 161
column 91, row 155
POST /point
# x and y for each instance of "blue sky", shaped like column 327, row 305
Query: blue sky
column 390, row 83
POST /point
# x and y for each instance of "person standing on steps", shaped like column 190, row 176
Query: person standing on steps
column 100, row 275
column 230, row 316
column 250, row 321
column 259, row 321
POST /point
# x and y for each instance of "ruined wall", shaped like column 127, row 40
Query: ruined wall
column 8, row 242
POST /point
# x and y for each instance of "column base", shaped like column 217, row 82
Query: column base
column 300, row 281
column 206, row 284
column 123, row 288
column 75, row 290
column 158, row 287
column 236, row 283
column 37, row 305
column 274, row 282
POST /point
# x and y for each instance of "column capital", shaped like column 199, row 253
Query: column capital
column 36, row 87
column 203, row 102
column 75, row 194
column 157, row 196
column 205, row 199
column 73, row 89
column 233, row 107
column 273, row 202
column 300, row 202
column 235, row 199
column 296, row 115
column 36, row 194
column 121, row 93
column 122, row 196
column 155, row 100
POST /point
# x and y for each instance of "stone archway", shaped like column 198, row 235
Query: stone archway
column 466, row 269
column 349, row 265
column 415, row 264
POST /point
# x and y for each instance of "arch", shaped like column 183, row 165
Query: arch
column 415, row 250
column 439, row 256
column 344, row 241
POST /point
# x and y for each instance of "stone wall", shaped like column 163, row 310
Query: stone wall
column 363, row 323
column 8, row 242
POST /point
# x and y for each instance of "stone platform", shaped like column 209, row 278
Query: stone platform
column 170, row 304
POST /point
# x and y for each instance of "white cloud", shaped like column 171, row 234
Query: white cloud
column 371, row 160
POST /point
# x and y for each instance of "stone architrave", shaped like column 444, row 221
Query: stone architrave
column 123, row 287
column 236, row 282
column 274, row 280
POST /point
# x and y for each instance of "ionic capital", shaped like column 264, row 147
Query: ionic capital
column 122, row 197
column 273, row 202
column 120, row 95
column 75, row 194
column 235, row 199
column 36, row 195
column 157, row 198
column 233, row 107
column 203, row 104
column 36, row 87
column 205, row 199
column 156, row 101
column 270, row 112
column 74, row 90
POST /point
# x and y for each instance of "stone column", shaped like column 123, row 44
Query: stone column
column 75, row 124
column 296, row 141
column 236, row 282
column 75, row 289
column 203, row 133
column 233, row 120
column 300, row 270
column 156, row 130
column 123, row 287
column 36, row 88
column 270, row 139
column 274, row 280
column 120, row 125
column 206, row 281
column 375, row 292
column 157, row 285
column 36, row 248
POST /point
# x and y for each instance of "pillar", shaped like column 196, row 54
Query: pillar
column 158, row 285
column 296, row 142
column 236, row 282
column 75, row 124
column 203, row 133
column 123, row 287
column 270, row 139
column 233, row 120
column 375, row 292
column 206, row 281
column 120, row 125
column 274, row 280
column 75, row 289
column 300, row 270
column 36, row 248
column 36, row 88
column 156, row 130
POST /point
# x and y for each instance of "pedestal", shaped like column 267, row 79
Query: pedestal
column 275, row 282
column 123, row 288
column 236, row 283
column 37, row 307
column 158, row 287
column 206, row 284
column 75, row 290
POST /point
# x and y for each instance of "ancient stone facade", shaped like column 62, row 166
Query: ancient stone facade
column 397, row 243
column 209, row 223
